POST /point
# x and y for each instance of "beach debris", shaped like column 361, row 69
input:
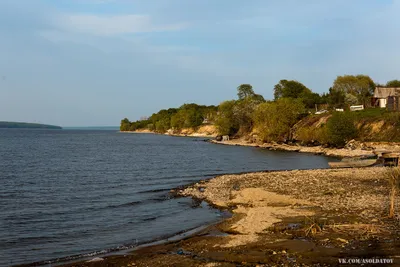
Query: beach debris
column 96, row 259
column 313, row 226
column 342, row 240
column 236, row 187
column 183, row 252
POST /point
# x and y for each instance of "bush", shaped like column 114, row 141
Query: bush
column 307, row 135
column 341, row 128
column 312, row 135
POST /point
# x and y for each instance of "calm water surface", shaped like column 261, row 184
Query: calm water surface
column 70, row 193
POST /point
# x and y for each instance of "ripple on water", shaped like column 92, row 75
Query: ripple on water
column 68, row 194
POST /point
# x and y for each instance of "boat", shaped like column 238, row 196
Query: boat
column 355, row 163
column 382, row 157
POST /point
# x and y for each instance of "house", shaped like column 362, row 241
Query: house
column 386, row 97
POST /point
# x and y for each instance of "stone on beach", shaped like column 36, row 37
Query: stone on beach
column 96, row 259
column 265, row 198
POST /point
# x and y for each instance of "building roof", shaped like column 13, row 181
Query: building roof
column 384, row 92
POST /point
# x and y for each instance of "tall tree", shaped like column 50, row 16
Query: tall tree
column 336, row 98
column 125, row 125
column 361, row 86
column 226, row 122
column 393, row 83
column 290, row 89
column 245, row 91
column 244, row 107
column 297, row 90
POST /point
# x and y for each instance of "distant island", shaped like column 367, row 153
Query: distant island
column 25, row 125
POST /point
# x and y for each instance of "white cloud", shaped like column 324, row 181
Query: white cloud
column 114, row 24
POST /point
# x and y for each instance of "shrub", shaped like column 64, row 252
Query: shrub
column 308, row 135
column 340, row 128
column 312, row 135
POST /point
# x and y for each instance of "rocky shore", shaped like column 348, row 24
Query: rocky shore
column 285, row 218
column 207, row 131
column 352, row 149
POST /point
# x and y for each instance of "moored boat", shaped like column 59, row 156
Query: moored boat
column 355, row 163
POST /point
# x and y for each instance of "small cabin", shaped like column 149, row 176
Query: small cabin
column 386, row 97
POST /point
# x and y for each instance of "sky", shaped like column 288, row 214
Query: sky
column 95, row 62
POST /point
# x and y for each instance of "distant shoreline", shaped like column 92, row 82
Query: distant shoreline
column 26, row 125
column 108, row 128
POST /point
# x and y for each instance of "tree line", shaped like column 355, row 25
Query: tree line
column 186, row 116
column 272, row 120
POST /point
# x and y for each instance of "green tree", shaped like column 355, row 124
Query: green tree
column 336, row 98
column 258, row 98
column 295, row 89
column 240, row 113
column 133, row 127
column 341, row 128
column 226, row 123
column 393, row 83
column 245, row 91
column 350, row 99
column 274, row 120
column 189, row 116
column 210, row 113
column 325, row 98
column 310, row 99
column 125, row 125
column 290, row 89
column 361, row 86
column 163, row 125
column 178, row 121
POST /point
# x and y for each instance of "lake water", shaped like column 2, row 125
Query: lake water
column 72, row 193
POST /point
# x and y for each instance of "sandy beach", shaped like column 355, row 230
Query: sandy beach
column 285, row 218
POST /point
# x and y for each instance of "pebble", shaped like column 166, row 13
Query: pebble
column 96, row 260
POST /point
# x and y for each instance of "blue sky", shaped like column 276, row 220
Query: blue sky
column 94, row 62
